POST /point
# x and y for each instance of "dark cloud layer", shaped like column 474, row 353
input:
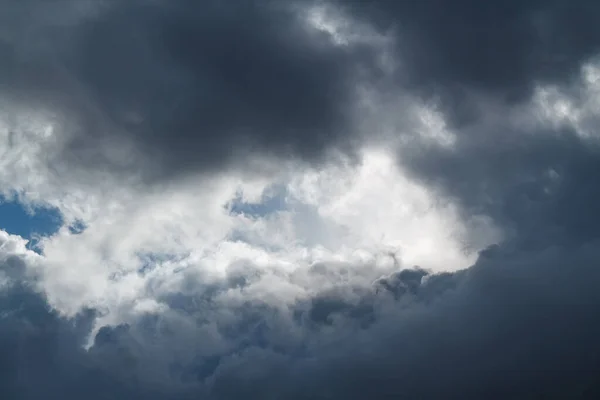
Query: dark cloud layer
column 193, row 84
column 499, row 47
column 199, row 86
column 538, row 186
column 516, row 325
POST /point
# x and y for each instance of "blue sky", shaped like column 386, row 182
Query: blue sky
column 273, row 200
column 18, row 220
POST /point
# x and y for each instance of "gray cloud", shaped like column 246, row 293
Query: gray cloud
column 479, row 64
column 500, row 47
column 193, row 85
column 538, row 186
column 518, row 324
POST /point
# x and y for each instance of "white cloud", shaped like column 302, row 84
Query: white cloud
column 14, row 258
column 574, row 107
column 353, row 216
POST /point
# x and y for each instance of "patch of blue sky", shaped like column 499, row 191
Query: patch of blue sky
column 272, row 200
column 31, row 223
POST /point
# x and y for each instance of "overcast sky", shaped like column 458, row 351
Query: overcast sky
column 299, row 199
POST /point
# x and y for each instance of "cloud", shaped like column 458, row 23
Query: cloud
column 191, row 87
column 301, row 199
column 505, row 48
column 139, row 244
column 527, row 167
column 506, row 92
column 514, row 324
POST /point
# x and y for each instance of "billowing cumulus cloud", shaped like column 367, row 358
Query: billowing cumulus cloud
column 301, row 199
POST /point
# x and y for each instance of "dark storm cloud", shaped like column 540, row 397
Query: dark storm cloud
column 193, row 84
column 503, row 47
column 512, row 326
column 518, row 324
column 480, row 64
column 540, row 187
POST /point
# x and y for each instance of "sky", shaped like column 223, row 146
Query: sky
column 28, row 222
column 300, row 199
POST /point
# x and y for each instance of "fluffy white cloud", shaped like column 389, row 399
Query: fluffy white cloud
column 142, row 242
